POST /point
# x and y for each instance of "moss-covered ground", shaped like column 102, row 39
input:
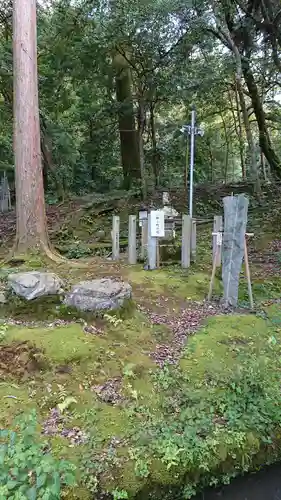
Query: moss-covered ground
column 151, row 432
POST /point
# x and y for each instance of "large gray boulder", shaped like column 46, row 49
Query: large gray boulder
column 98, row 295
column 34, row 284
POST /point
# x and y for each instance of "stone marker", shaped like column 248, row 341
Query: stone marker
column 34, row 284
column 98, row 295
column 132, row 240
column 186, row 241
column 115, row 237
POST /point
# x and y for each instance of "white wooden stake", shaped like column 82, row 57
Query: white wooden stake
column 132, row 241
column 218, row 228
column 115, row 237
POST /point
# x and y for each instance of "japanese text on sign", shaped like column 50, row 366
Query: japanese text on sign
column 157, row 224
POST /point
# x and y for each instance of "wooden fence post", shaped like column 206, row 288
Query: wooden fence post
column 132, row 240
column 151, row 247
column 217, row 228
column 186, row 241
column 144, row 239
column 115, row 237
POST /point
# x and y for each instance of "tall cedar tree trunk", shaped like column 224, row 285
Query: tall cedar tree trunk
column 127, row 126
column 30, row 204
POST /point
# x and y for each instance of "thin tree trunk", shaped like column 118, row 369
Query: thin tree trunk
column 155, row 155
column 141, row 125
column 264, row 138
column 249, row 135
column 30, row 205
column 240, row 134
column 239, row 74
column 48, row 165
column 227, row 148
column 211, row 156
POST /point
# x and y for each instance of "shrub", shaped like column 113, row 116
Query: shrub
column 28, row 471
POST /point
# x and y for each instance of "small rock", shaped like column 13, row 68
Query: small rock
column 34, row 284
column 98, row 295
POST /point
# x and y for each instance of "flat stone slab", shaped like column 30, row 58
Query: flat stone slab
column 34, row 284
column 98, row 295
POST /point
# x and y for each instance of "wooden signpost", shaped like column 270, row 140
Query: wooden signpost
column 156, row 230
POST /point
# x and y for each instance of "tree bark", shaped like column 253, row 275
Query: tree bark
column 48, row 164
column 226, row 149
column 127, row 126
column 30, row 205
column 155, row 154
column 239, row 133
column 141, row 126
column 249, row 135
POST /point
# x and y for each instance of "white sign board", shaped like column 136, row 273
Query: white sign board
column 157, row 224
column 142, row 216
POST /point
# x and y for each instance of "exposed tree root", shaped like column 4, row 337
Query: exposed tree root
column 43, row 250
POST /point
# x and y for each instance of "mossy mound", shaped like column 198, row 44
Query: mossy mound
column 172, row 430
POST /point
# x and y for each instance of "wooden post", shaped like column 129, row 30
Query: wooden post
column 132, row 241
column 144, row 239
column 186, row 242
column 217, row 228
column 115, row 237
column 193, row 240
column 218, row 251
column 247, row 271
column 157, row 253
column 151, row 247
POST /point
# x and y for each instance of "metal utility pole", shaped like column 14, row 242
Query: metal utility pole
column 191, row 130
column 192, row 150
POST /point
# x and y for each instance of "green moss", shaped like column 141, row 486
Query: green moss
column 216, row 348
column 216, row 357
column 46, row 308
column 14, row 399
column 263, row 289
column 174, row 282
column 64, row 344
